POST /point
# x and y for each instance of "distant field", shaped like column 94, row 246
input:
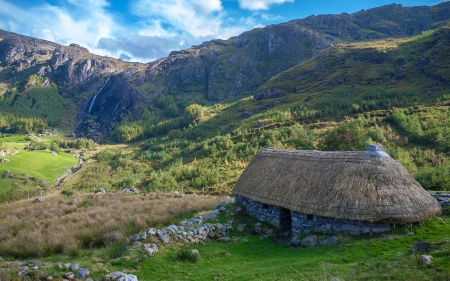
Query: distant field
column 38, row 164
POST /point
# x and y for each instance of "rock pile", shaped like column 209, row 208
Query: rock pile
column 442, row 198
column 192, row 231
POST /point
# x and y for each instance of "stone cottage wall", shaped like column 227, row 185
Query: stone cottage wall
column 303, row 223
column 277, row 216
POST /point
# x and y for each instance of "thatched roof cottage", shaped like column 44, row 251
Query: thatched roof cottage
column 332, row 191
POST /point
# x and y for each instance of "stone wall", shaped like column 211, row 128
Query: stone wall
column 303, row 223
column 277, row 216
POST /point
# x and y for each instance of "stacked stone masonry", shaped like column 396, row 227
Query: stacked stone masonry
column 304, row 223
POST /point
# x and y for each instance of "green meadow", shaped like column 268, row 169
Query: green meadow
column 37, row 164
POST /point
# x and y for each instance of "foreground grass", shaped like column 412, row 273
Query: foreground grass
column 381, row 257
column 69, row 225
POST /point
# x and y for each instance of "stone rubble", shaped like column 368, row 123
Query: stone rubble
column 442, row 198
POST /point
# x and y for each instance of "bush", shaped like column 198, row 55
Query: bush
column 67, row 193
column 186, row 255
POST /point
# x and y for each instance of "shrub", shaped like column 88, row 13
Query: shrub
column 186, row 255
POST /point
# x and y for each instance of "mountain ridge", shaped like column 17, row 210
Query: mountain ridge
column 212, row 72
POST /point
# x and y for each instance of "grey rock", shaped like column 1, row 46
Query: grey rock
column 82, row 273
column 194, row 252
column 151, row 249
column 236, row 239
column 60, row 266
column 224, row 239
column 69, row 275
column 379, row 229
column 113, row 276
column 74, row 266
column 310, row 241
column 258, row 224
column 49, row 278
column 22, row 271
column 89, row 279
column 240, row 228
column 135, row 238
column 365, row 229
column 426, row 259
column 295, row 241
column 128, row 277
column 332, row 240
column 351, row 228
column 244, row 240
column 32, row 263
column 165, row 238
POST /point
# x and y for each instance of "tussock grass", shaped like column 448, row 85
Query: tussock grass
column 69, row 224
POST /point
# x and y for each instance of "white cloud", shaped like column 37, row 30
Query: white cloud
column 84, row 23
column 255, row 5
column 196, row 17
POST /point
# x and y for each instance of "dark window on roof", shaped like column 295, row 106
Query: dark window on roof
column 309, row 217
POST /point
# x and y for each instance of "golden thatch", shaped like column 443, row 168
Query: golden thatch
column 344, row 185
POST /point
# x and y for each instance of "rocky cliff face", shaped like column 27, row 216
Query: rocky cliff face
column 106, row 90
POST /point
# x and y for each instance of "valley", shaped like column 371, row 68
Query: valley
column 134, row 136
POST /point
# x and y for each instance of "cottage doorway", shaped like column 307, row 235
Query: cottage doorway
column 285, row 219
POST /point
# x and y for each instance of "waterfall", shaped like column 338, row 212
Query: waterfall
column 115, row 108
column 93, row 100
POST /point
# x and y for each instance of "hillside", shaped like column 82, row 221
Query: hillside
column 99, row 93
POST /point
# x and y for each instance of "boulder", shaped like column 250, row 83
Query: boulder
column 310, row 241
column 74, row 266
column 426, row 259
column 113, row 276
column 151, row 249
column 82, row 273
column 295, row 241
column 128, row 277
column 22, row 271
column 69, row 275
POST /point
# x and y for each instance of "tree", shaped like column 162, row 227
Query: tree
column 55, row 147
column 347, row 137
column 194, row 113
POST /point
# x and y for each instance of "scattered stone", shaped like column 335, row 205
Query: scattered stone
column 22, row 271
column 236, row 239
column 194, row 252
column 74, row 266
column 82, row 273
column 224, row 239
column 258, row 224
column 32, row 263
column 426, row 259
column 49, row 278
column 128, row 277
column 60, row 266
column 89, row 279
column 1, row 259
column 151, row 249
column 421, row 246
column 295, row 241
column 244, row 240
column 240, row 228
column 69, row 275
column 310, row 241
column 39, row 199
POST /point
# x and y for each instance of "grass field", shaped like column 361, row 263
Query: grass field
column 38, row 164
column 380, row 257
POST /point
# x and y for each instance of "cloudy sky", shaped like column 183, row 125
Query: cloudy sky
column 144, row 30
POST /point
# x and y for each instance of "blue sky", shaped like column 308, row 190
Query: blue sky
column 145, row 30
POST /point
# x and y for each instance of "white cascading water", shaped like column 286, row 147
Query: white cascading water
column 93, row 100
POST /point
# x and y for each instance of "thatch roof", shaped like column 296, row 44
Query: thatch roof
column 345, row 185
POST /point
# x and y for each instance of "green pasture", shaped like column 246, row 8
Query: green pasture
column 38, row 164
column 384, row 257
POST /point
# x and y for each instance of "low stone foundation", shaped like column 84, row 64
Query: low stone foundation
column 304, row 223
column 277, row 216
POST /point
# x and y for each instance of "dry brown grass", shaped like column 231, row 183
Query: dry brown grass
column 65, row 225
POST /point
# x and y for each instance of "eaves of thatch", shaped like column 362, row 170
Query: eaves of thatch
column 344, row 185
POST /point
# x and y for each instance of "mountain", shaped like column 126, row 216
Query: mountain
column 297, row 57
